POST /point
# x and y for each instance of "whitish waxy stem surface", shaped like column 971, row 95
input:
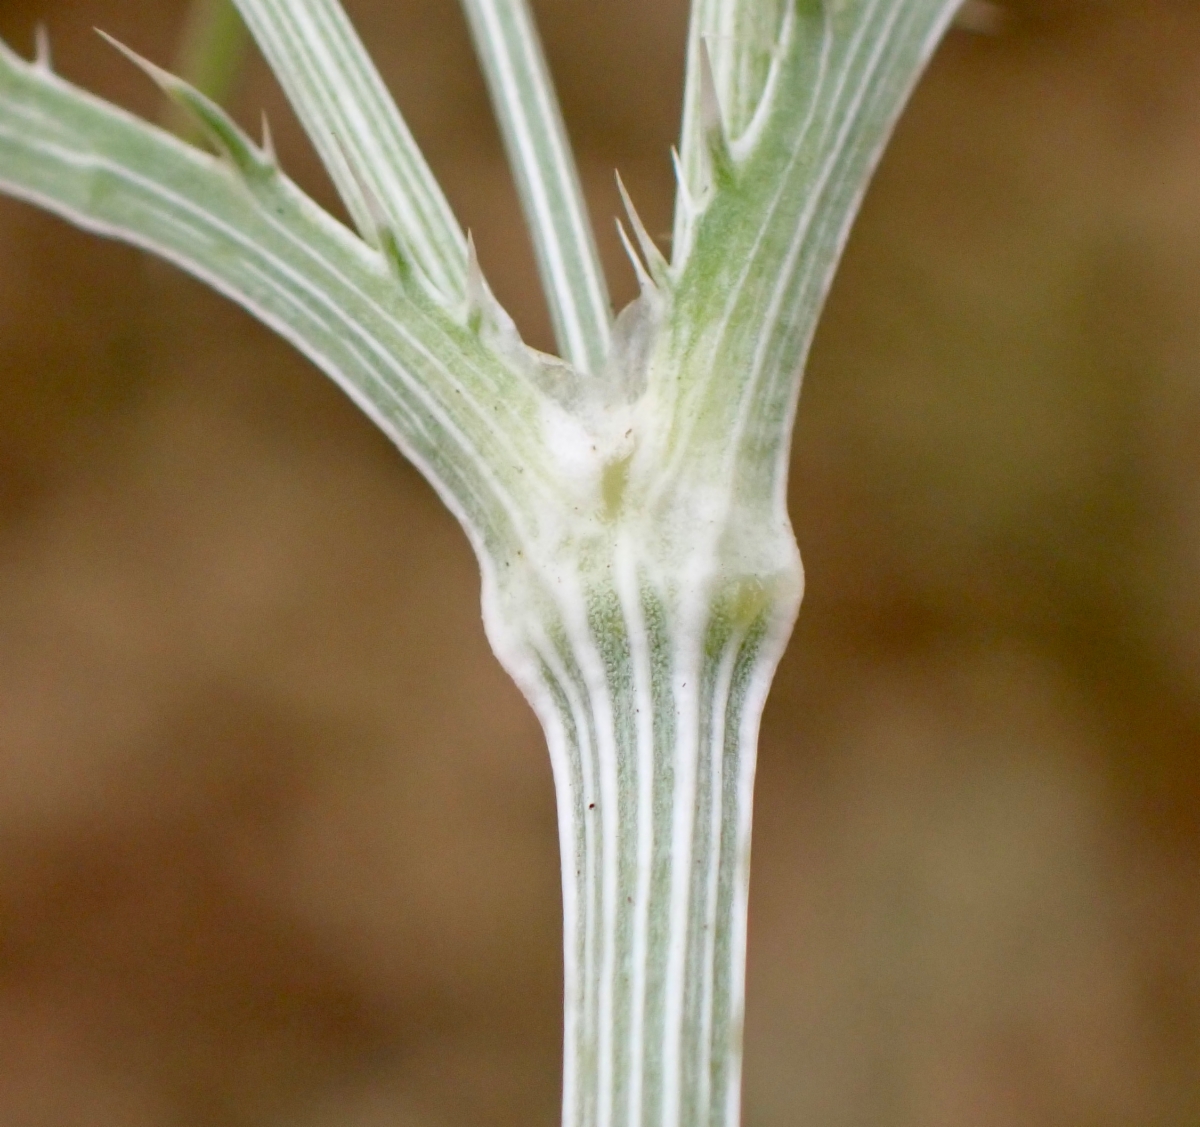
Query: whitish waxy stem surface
column 627, row 507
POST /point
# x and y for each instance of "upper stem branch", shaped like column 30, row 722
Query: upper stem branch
column 539, row 152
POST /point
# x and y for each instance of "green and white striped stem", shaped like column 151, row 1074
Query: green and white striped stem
column 510, row 52
column 650, row 684
column 628, row 503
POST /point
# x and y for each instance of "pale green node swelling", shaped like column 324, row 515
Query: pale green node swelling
column 627, row 501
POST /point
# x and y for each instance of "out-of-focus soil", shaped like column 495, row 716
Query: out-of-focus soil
column 277, row 837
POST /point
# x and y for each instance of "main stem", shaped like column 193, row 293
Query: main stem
column 651, row 690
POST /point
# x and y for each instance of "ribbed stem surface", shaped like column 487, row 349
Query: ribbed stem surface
column 651, row 695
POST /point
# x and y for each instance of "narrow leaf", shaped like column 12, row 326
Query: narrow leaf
column 450, row 403
column 547, row 180
column 645, row 282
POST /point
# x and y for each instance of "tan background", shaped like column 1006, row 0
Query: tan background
column 276, row 835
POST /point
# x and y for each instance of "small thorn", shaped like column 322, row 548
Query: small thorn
column 161, row 78
column 710, row 104
column 645, row 282
column 42, row 57
column 482, row 306
column 711, row 119
column 486, row 317
column 219, row 128
column 655, row 260
column 379, row 221
column 476, row 287
column 382, row 234
column 381, row 227
column 268, row 142
column 484, row 312
column 681, row 183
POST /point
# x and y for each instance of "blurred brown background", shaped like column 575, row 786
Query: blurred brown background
column 276, row 834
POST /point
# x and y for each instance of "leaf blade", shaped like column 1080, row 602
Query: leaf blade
column 539, row 153
column 453, row 408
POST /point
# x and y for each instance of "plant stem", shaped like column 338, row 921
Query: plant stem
column 507, row 43
column 640, row 573
column 650, row 684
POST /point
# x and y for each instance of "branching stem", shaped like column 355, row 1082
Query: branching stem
column 628, row 507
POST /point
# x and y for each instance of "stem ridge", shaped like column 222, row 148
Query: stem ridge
column 651, row 700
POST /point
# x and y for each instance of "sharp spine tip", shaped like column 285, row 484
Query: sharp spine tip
column 645, row 282
column 163, row 79
column 481, row 302
column 681, row 183
column 712, row 120
column 486, row 317
column 476, row 287
column 656, row 261
column 381, row 228
column 268, row 142
column 474, row 273
column 250, row 163
column 42, row 58
column 138, row 61
column 710, row 104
